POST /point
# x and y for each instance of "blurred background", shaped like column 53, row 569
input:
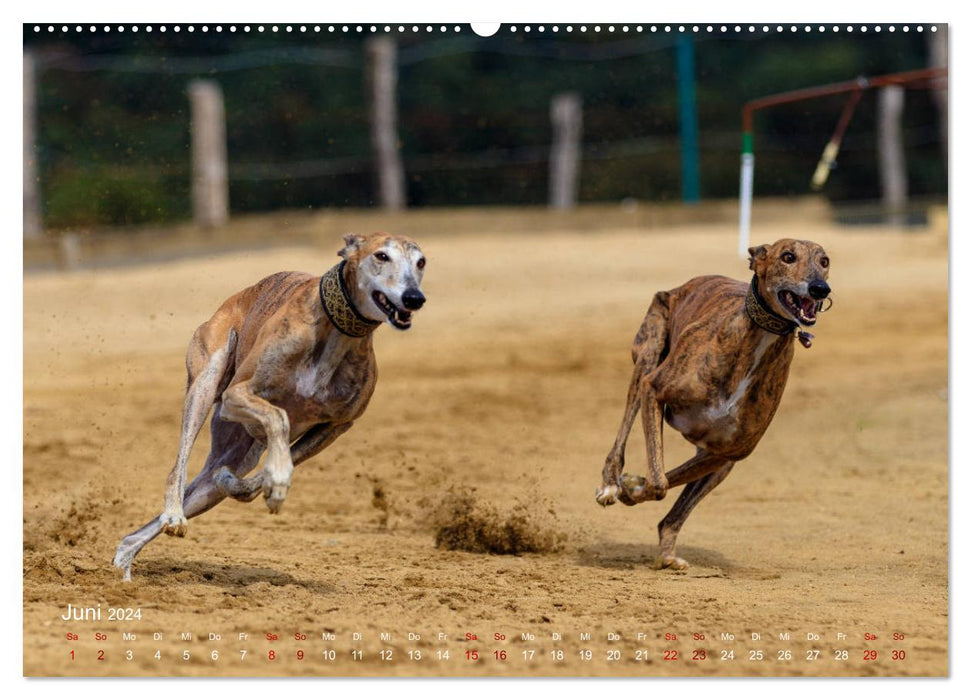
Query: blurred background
column 121, row 124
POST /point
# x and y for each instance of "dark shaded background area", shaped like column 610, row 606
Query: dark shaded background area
column 474, row 117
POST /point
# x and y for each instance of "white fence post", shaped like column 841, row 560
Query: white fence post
column 382, row 57
column 890, row 154
column 747, row 178
column 32, row 217
column 566, row 113
column 210, row 182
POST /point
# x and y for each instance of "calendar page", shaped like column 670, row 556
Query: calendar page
column 519, row 350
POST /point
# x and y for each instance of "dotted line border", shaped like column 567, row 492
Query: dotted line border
column 511, row 29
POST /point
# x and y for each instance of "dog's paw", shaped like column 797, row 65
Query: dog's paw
column 123, row 559
column 635, row 489
column 241, row 489
column 607, row 494
column 174, row 524
column 275, row 495
column 669, row 561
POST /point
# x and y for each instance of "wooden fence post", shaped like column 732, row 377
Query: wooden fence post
column 890, row 155
column 383, row 82
column 210, row 183
column 566, row 113
column 33, row 225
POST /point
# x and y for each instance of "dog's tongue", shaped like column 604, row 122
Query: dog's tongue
column 808, row 307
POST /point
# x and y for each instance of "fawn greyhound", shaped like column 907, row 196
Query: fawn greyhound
column 286, row 366
column 712, row 358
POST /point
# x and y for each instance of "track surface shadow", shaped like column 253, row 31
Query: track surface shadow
column 224, row 575
column 626, row 555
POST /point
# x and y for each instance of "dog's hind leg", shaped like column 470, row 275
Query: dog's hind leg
column 207, row 374
column 312, row 442
column 234, row 451
column 650, row 348
column 231, row 445
column 670, row 526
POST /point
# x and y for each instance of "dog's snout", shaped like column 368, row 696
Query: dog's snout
column 413, row 299
column 818, row 289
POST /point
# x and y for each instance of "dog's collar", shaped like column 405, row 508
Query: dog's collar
column 339, row 307
column 764, row 317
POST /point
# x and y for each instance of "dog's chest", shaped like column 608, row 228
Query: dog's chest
column 739, row 404
column 329, row 374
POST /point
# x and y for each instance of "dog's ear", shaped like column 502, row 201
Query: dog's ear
column 352, row 242
column 756, row 253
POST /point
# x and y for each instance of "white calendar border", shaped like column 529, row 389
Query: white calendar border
column 440, row 11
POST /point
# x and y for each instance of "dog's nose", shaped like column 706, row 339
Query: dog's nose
column 413, row 299
column 818, row 289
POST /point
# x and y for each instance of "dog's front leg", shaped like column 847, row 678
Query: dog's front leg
column 649, row 343
column 610, row 489
column 655, row 486
column 269, row 424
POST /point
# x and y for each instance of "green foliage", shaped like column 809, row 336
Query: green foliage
column 474, row 117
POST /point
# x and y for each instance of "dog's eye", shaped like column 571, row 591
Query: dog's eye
column 421, row 263
column 824, row 261
column 382, row 256
column 788, row 258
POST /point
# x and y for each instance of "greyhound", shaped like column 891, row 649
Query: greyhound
column 712, row 359
column 286, row 366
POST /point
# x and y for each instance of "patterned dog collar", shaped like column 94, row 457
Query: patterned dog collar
column 339, row 307
column 764, row 317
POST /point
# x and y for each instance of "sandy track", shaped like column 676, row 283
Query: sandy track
column 511, row 383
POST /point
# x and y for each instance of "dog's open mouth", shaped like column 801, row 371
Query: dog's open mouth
column 803, row 309
column 399, row 318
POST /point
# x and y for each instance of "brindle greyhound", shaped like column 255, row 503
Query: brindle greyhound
column 287, row 366
column 712, row 358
